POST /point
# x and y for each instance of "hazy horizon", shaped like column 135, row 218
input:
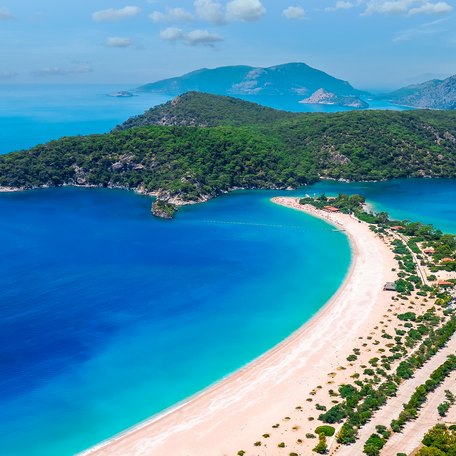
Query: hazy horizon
column 370, row 43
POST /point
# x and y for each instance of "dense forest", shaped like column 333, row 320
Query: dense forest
column 200, row 145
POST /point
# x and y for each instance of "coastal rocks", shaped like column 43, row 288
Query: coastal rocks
column 125, row 163
column 11, row 189
column 323, row 97
column 163, row 209
column 80, row 177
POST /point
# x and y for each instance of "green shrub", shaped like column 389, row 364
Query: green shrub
column 334, row 415
column 373, row 445
column 322, row 446
column 328, row 431
column 407, row 316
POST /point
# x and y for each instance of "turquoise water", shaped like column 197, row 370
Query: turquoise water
column 34, row 114
column 425, row 200
column 109, row 315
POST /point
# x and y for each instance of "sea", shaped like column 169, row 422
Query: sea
column 109, row 315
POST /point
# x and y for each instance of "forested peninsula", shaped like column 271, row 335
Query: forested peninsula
column 198, row 146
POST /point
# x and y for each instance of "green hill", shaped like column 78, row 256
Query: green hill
column 206, row 110
column 233, row 144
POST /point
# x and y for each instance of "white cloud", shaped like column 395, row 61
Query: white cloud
column 341, row 5
column 112, row 14
column 245, row 10
column 406, row 7
column 171, row 34
column 119, row 42
column 211, row 11
column 5, row 14
column 388, row 7
column 236, row 10
column 427, row 29
column 172, row 15
column 194, row 38
column 80, row 68
column 432, row 8
column 294, row 12
column 202, row 37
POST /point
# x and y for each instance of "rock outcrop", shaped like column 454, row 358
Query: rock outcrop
column 322, row 96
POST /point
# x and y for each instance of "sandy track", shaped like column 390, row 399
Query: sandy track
column 393, row 407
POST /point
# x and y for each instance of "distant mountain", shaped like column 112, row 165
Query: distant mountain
column 322, row 96
column 434, row 94
column 291, row 80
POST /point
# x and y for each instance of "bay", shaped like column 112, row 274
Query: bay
column 109, row 315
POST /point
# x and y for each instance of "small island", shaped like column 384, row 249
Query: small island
column 163, row 209
column 121, row 94
column 323, row 97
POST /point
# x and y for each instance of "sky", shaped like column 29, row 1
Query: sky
column 371, row 43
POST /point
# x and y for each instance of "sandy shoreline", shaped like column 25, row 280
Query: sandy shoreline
column 234, row 413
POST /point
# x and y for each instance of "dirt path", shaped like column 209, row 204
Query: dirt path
column 394, row 406
column 414, row 431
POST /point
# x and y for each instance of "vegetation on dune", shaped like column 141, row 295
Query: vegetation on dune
column 439, row 441
column 428, row 332
column 232, row 144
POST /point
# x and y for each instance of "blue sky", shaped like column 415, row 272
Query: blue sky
column 371, row 43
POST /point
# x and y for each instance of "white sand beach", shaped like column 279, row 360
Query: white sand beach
column 235, row 413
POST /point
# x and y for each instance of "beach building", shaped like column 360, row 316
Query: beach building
column 445, row 283
column 429, row 251
column 389, row 286
column 446, row 260
column 397, row 228
column 331, row 209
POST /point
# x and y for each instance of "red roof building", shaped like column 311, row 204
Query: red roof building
column 397, row 228
column 331, row 209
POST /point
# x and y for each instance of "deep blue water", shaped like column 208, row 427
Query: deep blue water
column 108, row 315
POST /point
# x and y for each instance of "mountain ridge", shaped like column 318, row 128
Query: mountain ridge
column 432, row 94
column 295, row 80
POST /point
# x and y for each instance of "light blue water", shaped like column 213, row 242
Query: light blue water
column 34, row 114
column 109, row 315
column 425, row 200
